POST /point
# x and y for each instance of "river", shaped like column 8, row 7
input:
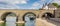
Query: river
column 10, row 21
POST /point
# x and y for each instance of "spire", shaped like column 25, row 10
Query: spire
column 44, row 5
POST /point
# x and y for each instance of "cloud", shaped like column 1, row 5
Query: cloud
column 4, row 5
column 36, row 5
column 16, row 1
column 43, row 0
column 8, row 7
column 11, row 4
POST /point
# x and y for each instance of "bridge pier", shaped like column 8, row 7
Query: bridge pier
column 20, row 19
column 20, row 22
column 1, row 21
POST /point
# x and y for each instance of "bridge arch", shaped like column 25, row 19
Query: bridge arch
column 29, row 14
column 47, row 15
column 3, row 17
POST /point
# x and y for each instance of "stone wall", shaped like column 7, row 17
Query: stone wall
column 57, row 13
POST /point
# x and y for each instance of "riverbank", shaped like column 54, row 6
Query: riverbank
column 41, row 22
column 1, row 21
column 20, row 22
column 16, row 22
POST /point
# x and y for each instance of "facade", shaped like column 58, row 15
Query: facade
column 50, row 7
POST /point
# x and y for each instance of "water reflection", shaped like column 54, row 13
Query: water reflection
column 10, row 21
column 29, row 22
column 4, row 24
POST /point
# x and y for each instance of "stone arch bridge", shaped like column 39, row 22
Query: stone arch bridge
column 20, row 13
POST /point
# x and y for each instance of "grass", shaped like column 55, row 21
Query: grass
column 21, row 24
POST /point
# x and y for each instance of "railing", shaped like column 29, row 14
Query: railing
column 55, row 19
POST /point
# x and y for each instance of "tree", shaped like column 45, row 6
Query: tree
column 55, row 4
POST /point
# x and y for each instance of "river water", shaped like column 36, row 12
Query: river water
column 11, row 21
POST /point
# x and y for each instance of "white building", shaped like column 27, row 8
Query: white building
column 50, row 7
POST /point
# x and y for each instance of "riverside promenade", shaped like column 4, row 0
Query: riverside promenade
column 42, row 22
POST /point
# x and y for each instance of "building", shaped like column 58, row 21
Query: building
column 50, row 7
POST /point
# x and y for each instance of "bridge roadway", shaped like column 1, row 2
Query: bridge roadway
column 50, row 22
column 55, row 21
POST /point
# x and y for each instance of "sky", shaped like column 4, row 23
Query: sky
column 24, row 4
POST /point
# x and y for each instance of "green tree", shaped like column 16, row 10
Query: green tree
column 55, row 4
